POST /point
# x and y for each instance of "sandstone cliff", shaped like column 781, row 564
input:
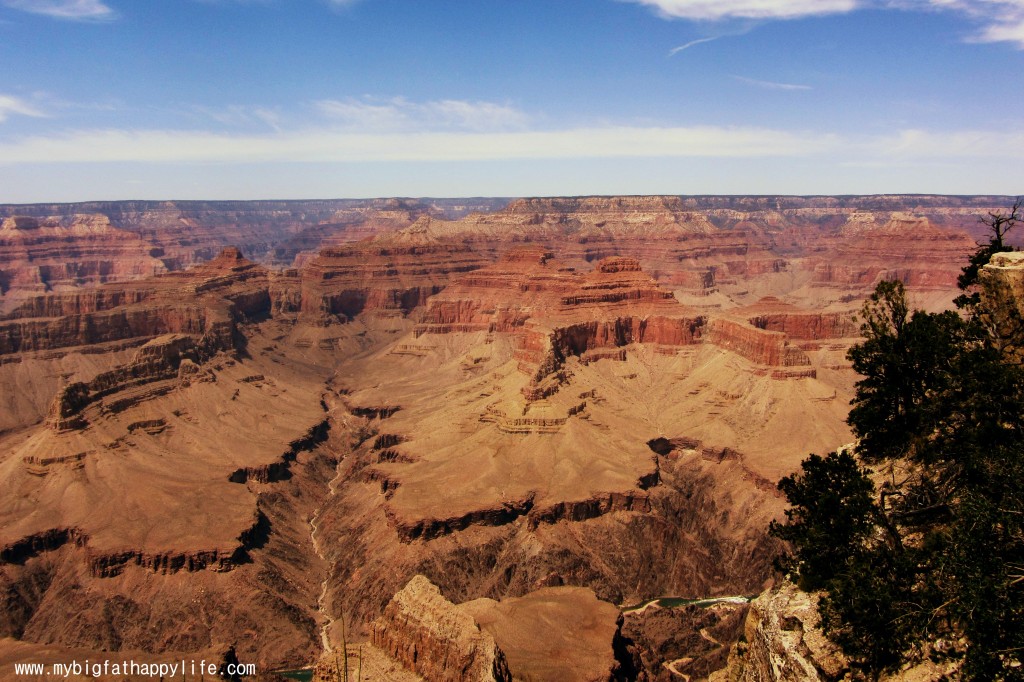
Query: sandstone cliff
column 438, row 641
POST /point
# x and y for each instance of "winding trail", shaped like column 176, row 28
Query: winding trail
column 707, row 637
column 671, row 667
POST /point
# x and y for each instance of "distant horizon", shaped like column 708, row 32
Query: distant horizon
column 977, row 196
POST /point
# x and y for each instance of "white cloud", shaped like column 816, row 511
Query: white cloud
column 399, row 114
column 327, row 145
column 1010, row 32
column 15, row 105
column 747, row 9
column 772, row 85
column 64, row 9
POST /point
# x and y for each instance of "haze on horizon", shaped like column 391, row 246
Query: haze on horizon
column 245, row 99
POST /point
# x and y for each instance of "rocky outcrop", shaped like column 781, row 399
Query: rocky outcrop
column 1002, row 287
column 591, row 508
column 578, row 339
column 430, row 528
column 433, row 638
column 157, row 360
column 207, row 301
column 341, row 283
column 784, row 641
column 107, row 564
column 19, row 551
column 757, row 345
column 808, row 326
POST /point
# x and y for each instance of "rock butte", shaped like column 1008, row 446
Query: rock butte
column 457, row 430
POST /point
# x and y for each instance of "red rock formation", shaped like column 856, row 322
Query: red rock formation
column 872, row 247
column 157, row 360
column 581, row 510
column 430, row 528
column 205, row 302
column 39, row 255
column 809, row 326
column 757, row 345
column 342, row 283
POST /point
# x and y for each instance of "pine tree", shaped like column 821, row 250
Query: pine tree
column 936, row 550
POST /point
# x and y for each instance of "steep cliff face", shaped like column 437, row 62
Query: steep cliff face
column 339, row 284
column 1002, row 287
column 757, row 345
column 59, row 253
column 430, row 636
column 205, row 301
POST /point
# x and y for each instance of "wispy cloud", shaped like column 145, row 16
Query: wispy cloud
column 80, row 10
column 1000, row 20
column 996, row 20
column 772, row 85
column 676, row 50
column 331, row 145
column 16, row 105
column 400, row 114
column 747, row 9
column 326, row 145
column 240, row 115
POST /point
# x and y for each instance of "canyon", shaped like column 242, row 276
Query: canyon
column 455, row 436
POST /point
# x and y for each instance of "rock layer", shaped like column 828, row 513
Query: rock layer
column 433, row 638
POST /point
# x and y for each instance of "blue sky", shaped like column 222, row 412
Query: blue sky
column 118, row 99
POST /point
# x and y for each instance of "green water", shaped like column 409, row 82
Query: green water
column 302, row 675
